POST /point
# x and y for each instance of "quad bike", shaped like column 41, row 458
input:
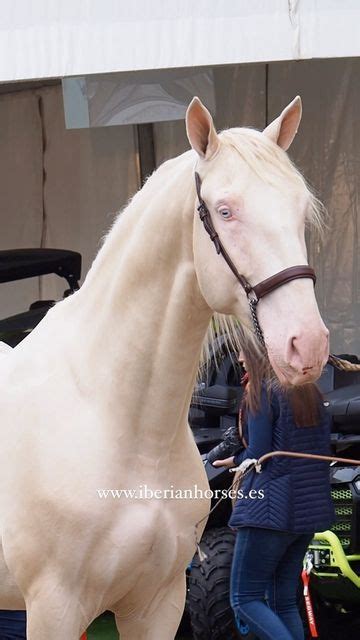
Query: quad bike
column 19, row 264
column 334, row 555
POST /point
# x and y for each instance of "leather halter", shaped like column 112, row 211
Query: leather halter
column 258, row 291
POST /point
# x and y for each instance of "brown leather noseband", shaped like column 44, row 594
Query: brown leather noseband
column 258, row 291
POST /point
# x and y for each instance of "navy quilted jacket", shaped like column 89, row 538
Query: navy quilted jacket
column 288, row 494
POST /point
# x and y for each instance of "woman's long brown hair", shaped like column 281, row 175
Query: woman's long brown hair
column 305, row 403
column 305, row 400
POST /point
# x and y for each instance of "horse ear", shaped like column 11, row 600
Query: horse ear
column 283, row 130
column 200, row 129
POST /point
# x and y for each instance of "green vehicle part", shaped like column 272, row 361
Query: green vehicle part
column 330, row 560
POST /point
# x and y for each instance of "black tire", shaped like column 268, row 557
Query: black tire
column 211, row 615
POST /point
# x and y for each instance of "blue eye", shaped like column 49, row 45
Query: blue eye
column 226, row 214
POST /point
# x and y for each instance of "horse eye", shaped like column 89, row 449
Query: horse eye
column 225, row 213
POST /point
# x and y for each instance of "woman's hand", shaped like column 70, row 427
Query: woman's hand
column 228, row 463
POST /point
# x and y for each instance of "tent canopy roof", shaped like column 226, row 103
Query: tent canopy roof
column 41, row 39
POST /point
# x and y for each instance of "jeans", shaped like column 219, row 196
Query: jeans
column 264, row 581
column 12, row 625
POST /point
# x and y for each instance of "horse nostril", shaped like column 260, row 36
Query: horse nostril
column 303, row 353
column 293, row 347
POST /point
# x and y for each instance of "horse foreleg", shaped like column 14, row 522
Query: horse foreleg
column 51, row 616
column 162, row 620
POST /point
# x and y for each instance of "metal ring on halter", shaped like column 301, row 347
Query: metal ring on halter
column 251, row 295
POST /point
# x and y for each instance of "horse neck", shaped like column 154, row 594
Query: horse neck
column 141, row 317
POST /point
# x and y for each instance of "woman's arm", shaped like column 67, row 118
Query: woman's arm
column 260, row 427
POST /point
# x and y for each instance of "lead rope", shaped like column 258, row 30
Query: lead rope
column 234, row 485
column 256, row 465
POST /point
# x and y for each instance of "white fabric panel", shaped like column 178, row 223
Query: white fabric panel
column 327, row 150
column 239, row 101
column 21, row 185
column 42, row 39
column 90, row 175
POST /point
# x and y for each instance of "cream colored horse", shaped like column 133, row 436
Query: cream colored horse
column 98, row 395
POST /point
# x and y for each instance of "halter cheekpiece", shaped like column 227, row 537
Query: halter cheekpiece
column 258, row 291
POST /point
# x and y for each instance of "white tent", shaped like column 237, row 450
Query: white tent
column 49, row 39
column 61, row 188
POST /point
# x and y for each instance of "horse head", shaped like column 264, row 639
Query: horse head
column 259, row 204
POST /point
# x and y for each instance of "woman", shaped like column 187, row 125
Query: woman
column 279, row 509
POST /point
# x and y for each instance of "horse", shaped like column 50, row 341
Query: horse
column 95, row 400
